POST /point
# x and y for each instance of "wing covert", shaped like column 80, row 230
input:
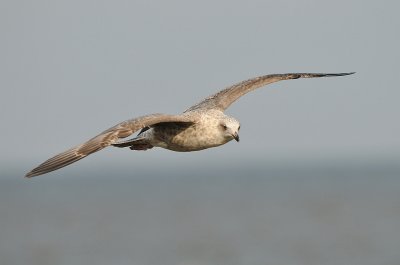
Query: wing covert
column 104, row 139
column 224, row 98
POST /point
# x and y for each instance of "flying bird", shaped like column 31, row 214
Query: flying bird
column 202, row 126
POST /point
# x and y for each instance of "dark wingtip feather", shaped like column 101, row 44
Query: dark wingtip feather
column 311, row 75
column 341, row 74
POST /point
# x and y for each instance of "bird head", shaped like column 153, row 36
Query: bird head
column 230, row 128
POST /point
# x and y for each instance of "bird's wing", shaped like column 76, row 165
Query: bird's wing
column 104, row 139
column 224, row 98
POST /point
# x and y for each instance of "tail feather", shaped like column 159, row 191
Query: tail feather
column 130, row 142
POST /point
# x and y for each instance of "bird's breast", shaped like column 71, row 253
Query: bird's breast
column 186, row 138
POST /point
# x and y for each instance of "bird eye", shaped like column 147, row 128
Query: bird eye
column 224, row 126
column 239, row 128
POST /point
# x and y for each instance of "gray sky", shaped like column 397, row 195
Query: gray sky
column 70, row 69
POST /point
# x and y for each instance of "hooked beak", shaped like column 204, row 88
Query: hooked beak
column 236, row 136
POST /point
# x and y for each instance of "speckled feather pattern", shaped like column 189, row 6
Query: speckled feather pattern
column 224, row 98
column 203, row 134
column 202, row 126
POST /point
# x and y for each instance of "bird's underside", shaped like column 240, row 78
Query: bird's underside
column 202, row 126
column 138, row 143
column 167, row 135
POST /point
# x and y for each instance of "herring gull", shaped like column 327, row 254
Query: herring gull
column 201, row 126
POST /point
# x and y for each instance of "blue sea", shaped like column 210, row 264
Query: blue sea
column 329, row 214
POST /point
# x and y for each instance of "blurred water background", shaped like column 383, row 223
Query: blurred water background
column 298, row 212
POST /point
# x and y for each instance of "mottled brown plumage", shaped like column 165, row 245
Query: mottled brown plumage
column 202, row 126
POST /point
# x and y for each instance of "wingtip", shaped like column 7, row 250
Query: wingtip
column 29, row 175
column 313, row 75
column 349, row 73
column 333, row 74
column 35, row 172
column 341, row 74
